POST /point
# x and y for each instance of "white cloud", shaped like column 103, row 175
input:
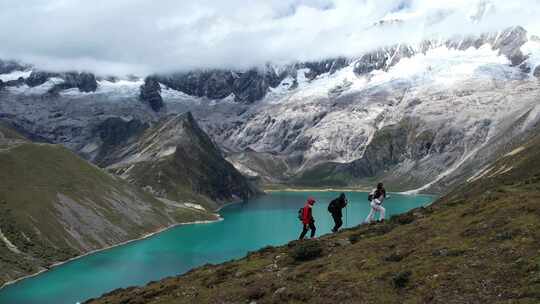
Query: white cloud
column 138, row 36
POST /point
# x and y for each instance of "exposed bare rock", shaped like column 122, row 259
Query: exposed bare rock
column 150, row 93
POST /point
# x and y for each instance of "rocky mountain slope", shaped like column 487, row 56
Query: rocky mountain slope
column 478, row 244
column 426, row 109
column 450, row 101
column 175, row 159
column 55, row 206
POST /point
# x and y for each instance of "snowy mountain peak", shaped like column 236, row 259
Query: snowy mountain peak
column 450, row 97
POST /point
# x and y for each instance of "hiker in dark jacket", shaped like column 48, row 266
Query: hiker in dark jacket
column 307, row 219
column 335, row 208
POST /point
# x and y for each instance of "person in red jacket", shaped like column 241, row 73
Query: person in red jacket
column 307, row 218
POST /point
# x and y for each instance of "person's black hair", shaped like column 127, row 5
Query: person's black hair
column 342, row 196
column 379, row 185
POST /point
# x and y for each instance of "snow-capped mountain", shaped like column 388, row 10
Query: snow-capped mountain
column 416, row 116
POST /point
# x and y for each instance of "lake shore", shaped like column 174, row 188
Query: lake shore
column 317, row 190
column 341, row 190
column 145, row 236
column 227, row 204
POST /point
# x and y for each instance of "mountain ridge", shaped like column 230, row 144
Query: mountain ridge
column 251, row 85
column 314, row 117
column 176, row 160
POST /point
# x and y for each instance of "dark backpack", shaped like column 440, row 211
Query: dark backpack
column 332, row 207
column 300, row 213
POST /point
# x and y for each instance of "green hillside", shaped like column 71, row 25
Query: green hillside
column 54, row 206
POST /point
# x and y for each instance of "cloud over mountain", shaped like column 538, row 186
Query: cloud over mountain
column 136, row 36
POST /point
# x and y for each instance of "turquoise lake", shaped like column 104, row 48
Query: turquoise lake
column 268, row 220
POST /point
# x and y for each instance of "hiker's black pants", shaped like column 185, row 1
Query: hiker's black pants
column 338, row 222
column 310, row 226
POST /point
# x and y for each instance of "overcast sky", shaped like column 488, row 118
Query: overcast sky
column 143, row 36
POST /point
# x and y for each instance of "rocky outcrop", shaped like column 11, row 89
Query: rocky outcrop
column 246, row 86
column 536, row 72
column 388, row 147
column 382, row 59
column 214, row 84
column 150, row 93
column 253, row 85
column 509, row 43
column 14, row 83
column 317, row 68
column 115, row 132
column 85, row 82
column 8, row 66
column 407, row 142
column 38, row 78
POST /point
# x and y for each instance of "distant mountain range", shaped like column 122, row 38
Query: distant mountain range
column 418, row 117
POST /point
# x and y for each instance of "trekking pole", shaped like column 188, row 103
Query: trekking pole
column 346, row 215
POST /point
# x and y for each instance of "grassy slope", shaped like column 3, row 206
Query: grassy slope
column 31, row 178
column 169, row 181
column 478, row 244
column 7, row 133
column 196, row 172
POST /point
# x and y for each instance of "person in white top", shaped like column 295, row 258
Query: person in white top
column 377, row 197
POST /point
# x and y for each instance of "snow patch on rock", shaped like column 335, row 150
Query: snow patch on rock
column 15, row 75
column 532, row 50
column 37, row 90
column 8, row 243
